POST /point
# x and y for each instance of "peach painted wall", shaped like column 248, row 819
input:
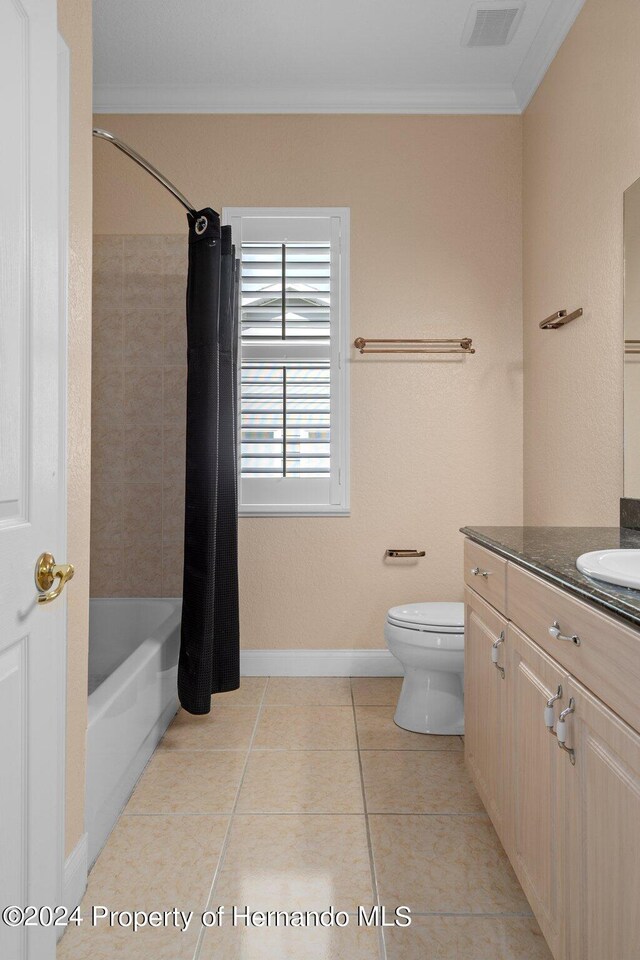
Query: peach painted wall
column 74, row 23
column 581, row 152
column 435, row 251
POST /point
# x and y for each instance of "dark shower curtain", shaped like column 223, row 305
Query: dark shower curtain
column 209, row 648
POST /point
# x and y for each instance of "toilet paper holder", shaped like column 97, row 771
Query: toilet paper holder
column 404, row 554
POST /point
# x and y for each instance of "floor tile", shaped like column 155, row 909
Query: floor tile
column 156, row 863
column 250, row 691
column 376, row 691
column 444, row 865
column 467, row 938
column 291, row 943
column 377, row 731
column 309, row 691
column 115, row 943
column 296, row 863
column 227, row 727
column 177, row 781
column 420, row 782
column 306, row 728
column 302, row 782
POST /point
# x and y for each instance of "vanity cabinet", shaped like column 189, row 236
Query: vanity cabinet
column 485, row 705
column 536, row 789
column 602, row 824
column 568, row 816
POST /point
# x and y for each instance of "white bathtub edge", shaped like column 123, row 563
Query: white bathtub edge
column 107, row 816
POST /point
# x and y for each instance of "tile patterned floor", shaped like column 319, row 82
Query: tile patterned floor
column 301, row 794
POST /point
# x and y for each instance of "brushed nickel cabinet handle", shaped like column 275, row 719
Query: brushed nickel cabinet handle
column 561, row 730
column 549, row 717
column 477, row 572
column 555, row 632
column 495, row 653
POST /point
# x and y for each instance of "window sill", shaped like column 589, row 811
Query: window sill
column 294, row 512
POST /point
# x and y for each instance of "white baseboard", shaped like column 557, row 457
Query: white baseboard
column 74, row 876
column 319, row 663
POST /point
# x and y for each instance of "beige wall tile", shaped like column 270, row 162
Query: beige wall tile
column 107, row 342
column 175, row 393
column 306, row 728
column 172, row 574
column 172, row 511
column 108, row 391
column 425, row 781
column 444, row 865
column 107, row 450
column 302, row 782
column 107, row 572
column 143, row 569
column 106, row 514
column 143, row 394
column 144, row 268
column 179, row 781
column 173, row 467
column 467, row 938
column 142, row 518
column 175, row 277
column 175, row 336
column 144, row 336
column 143, row 452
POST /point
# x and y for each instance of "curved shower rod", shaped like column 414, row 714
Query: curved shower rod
column 135, row 156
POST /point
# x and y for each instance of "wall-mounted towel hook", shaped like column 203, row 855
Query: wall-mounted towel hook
column 559, row 318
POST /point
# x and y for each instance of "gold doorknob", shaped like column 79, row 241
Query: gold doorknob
column 47, row 571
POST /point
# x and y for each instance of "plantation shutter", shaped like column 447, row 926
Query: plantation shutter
column 292, row 384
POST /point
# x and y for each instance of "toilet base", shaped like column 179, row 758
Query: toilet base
column 431, row 701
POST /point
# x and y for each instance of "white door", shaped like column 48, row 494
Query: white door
column 32, row 634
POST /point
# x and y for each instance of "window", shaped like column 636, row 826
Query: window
column 293, row 387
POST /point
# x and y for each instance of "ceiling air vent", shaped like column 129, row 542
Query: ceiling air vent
column 492, row 24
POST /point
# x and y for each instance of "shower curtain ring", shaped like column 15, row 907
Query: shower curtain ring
column 201, row 225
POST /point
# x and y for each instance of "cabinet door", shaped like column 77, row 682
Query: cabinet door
column 485, row 706
column 537, row 786
column 603, row 829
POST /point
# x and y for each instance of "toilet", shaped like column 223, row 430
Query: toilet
column 428, row 640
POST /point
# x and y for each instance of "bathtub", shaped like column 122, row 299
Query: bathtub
column 133, row 657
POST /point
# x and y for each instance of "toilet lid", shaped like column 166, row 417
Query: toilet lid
column 442, row 617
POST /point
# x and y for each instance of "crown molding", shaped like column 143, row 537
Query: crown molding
column 197, row 98
column 554, row 28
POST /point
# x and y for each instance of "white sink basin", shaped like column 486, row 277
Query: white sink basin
column 621, row 567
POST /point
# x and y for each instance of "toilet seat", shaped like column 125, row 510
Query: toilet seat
column 429, row 617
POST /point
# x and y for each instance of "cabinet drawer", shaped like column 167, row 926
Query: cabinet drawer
column 608, row 657
column 486, row 573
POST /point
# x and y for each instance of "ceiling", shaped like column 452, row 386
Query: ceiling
column 316, row 56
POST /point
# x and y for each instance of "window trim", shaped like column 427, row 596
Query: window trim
column 339, row 344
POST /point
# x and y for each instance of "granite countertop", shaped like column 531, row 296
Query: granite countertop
column 551, row 552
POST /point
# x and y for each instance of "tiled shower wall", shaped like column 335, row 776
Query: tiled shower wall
column 138, row 415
